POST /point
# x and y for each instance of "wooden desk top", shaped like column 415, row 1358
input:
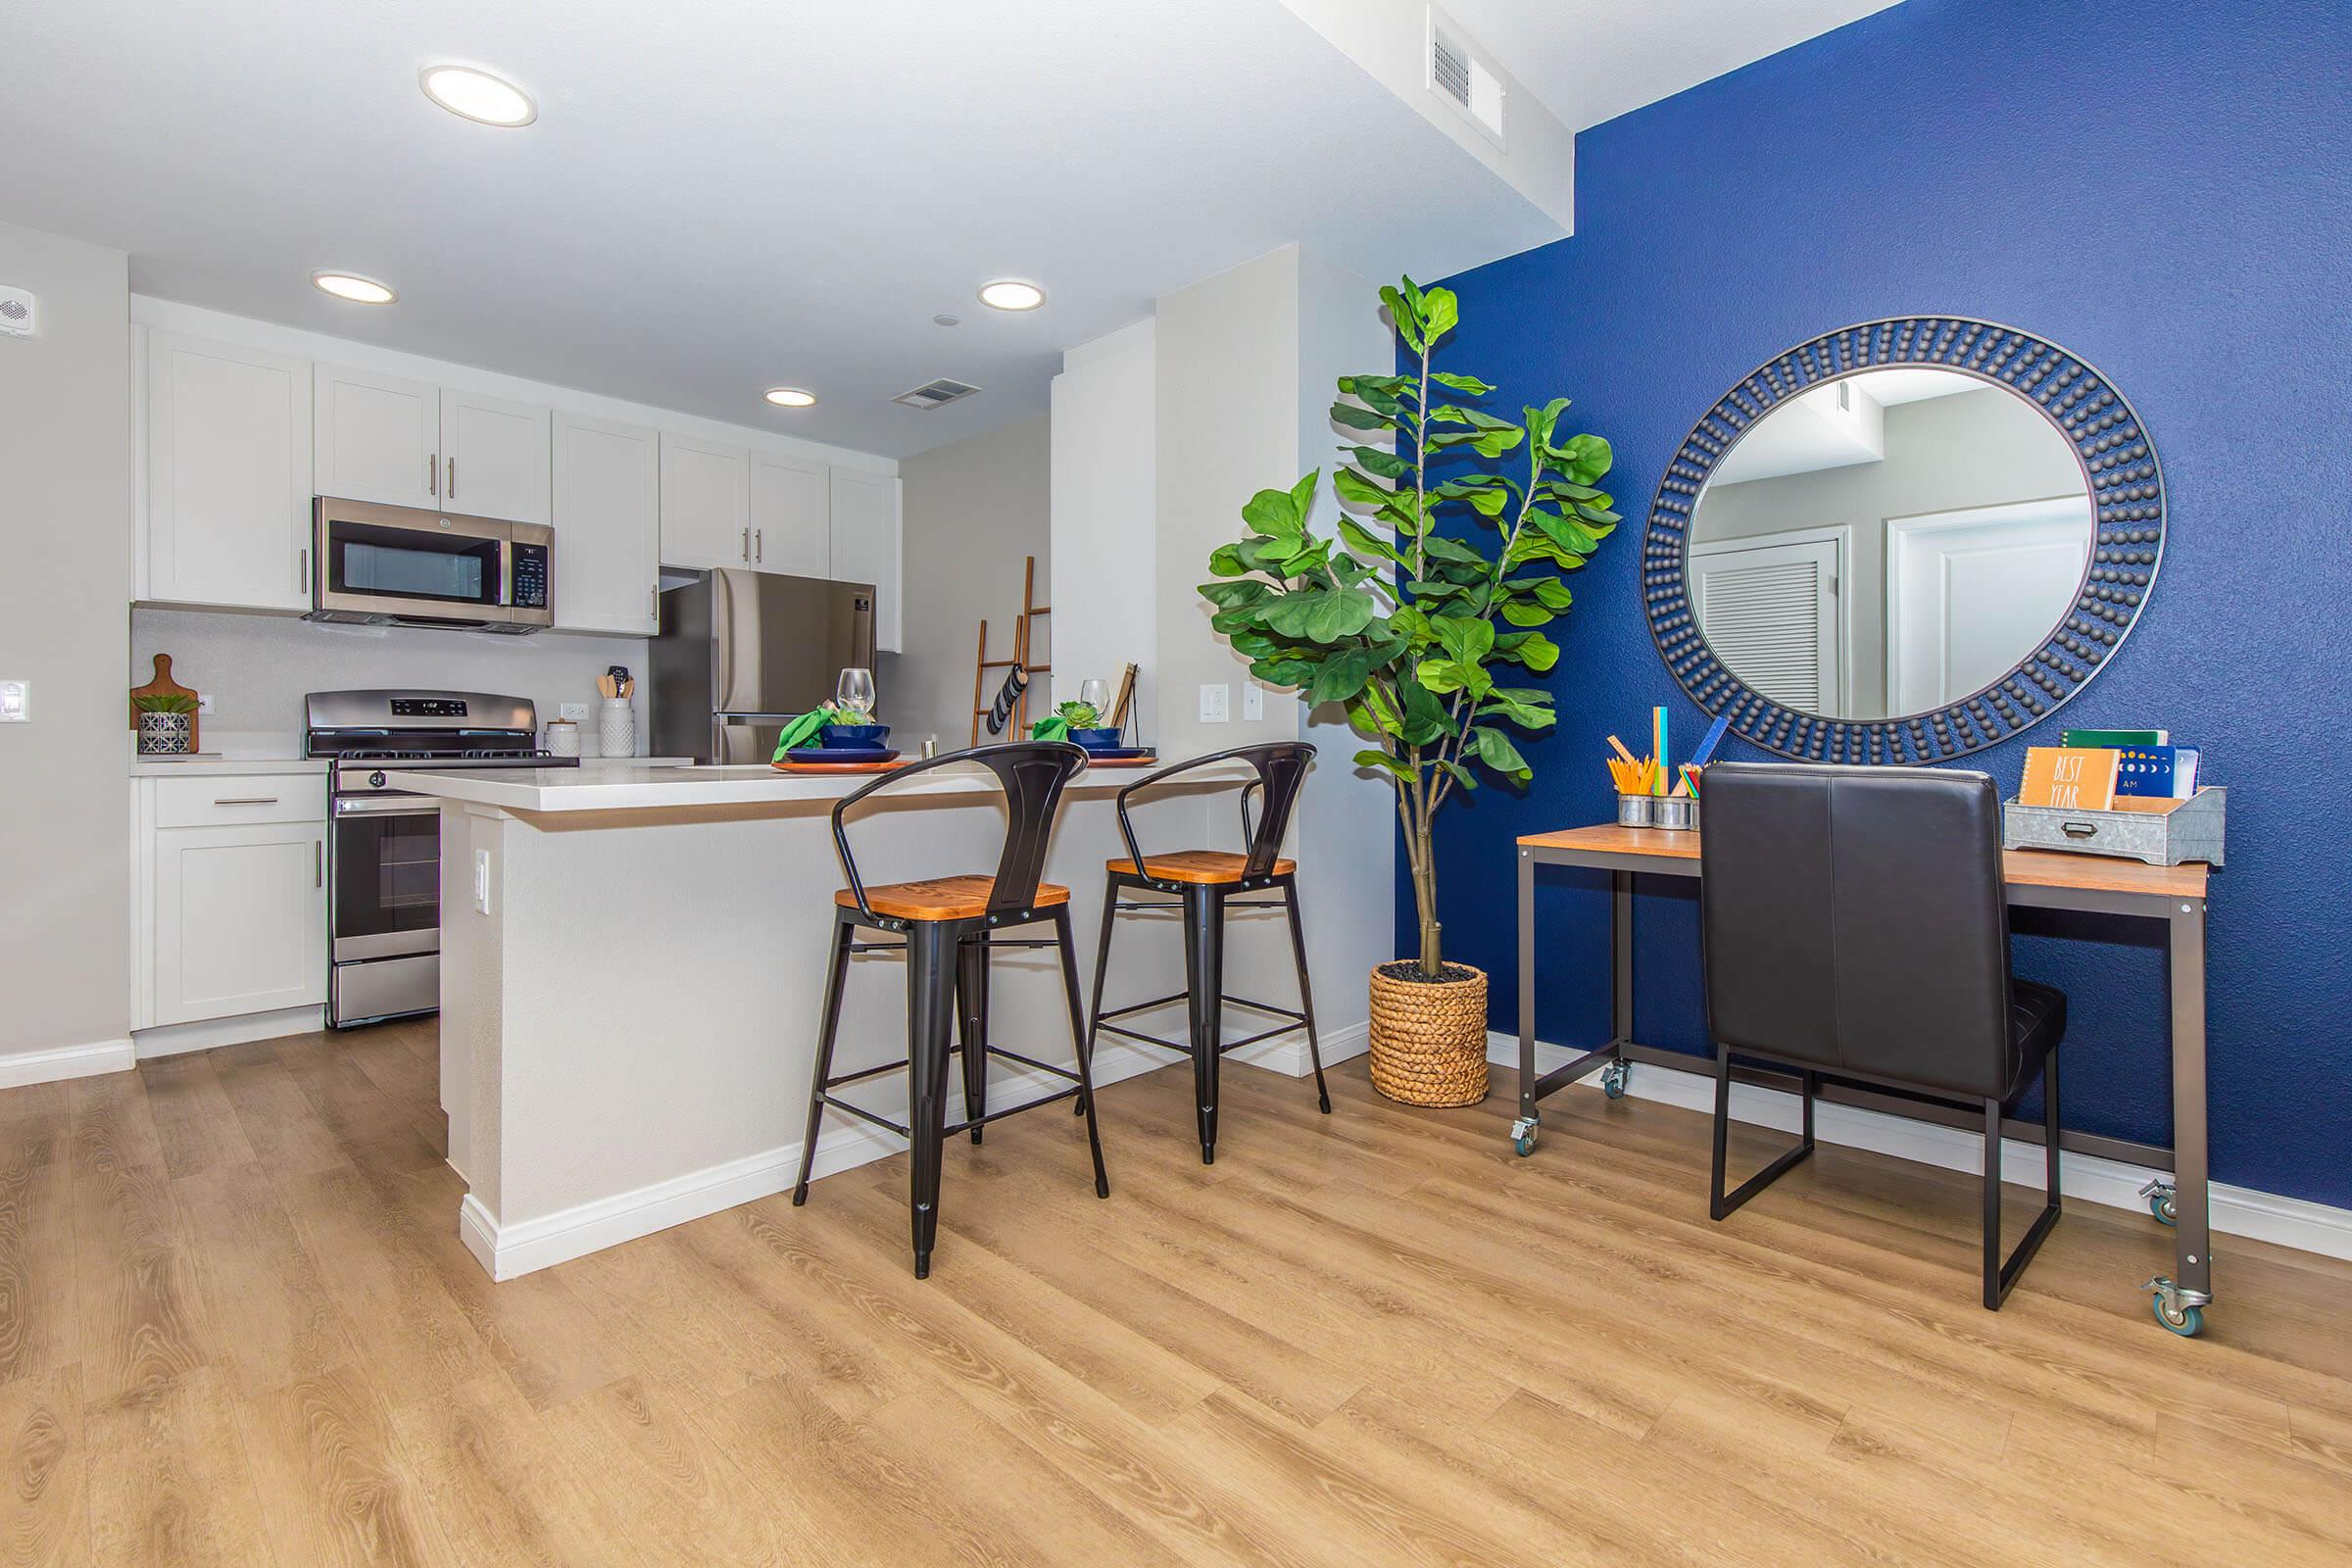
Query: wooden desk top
column 2046, row 868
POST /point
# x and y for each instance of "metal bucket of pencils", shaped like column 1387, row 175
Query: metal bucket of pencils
column 1638, row 810
column 1675, row 814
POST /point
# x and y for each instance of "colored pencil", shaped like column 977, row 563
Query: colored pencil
column 1658, row 752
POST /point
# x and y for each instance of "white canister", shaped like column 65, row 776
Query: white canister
column 563, row 738
column 616, row 727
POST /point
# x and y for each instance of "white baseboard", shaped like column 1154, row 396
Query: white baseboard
column 1286, row 1053
column 508, row 1250
column 66, row 1062
column 2235, row 1210
column 173, row 1039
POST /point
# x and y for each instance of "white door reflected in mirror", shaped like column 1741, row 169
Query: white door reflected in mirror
column 1889, row 543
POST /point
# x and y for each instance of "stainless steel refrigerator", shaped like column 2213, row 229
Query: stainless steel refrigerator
column 740, row 653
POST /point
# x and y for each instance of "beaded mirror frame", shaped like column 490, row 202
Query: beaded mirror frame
column 2120, row 475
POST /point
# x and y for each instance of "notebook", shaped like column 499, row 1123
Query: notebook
column 2079, row 778
column 2115, row 737
column 2166, row 772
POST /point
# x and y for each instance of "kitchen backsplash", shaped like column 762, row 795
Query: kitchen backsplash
column 258, row 668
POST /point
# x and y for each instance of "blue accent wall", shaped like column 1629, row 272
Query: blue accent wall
column 2162, row 187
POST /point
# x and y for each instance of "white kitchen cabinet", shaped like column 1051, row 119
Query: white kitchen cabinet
column 791, row 503
column 377, row 437
column 608, row 522
column 706, row 503
column 228, row 514
column 863, row 517
column 494, row 457
column 239, row 919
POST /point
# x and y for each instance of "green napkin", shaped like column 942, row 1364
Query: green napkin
column 801, row 731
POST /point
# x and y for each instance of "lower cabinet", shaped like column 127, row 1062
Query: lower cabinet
column 240, row 919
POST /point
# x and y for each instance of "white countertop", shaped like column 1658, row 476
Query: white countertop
column 230, row 767
column 631, row 789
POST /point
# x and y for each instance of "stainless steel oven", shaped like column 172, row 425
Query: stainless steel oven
column 399, row 565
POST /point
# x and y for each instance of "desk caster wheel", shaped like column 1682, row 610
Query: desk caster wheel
column 2185, row 1321
column 2163, row 1202
column 1612, row 1079
column 1522, row 1136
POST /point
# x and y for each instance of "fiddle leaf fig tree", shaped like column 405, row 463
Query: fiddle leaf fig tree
column 1424, row 637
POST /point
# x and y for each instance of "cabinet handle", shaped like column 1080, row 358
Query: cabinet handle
column 302, row 569
column 245, row 800
column 453, row 479
column 747, row 544
column 760, row 545
column 432, row 472
column 319, row 863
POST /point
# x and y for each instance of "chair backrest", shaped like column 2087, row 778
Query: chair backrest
column 1033, row 774
column 1855, row 919
column 1281, row 774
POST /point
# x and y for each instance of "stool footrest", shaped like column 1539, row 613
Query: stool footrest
column 904, row 1131
column 1186, row 1046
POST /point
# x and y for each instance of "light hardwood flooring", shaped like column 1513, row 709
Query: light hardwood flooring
column 236, row 1327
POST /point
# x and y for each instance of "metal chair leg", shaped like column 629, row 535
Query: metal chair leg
column 1720, row 1203
column 1083, row 1045
column 930, row 1028
column 1094, row 1025
column 836, row 978
column 2000, row 1278
column 1306, row 995
column 1205, row 985
column 971, row 1026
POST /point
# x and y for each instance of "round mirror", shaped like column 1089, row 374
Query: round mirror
column 1889, row 543
column 1903, row 541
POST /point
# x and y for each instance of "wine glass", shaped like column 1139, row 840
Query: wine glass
column 1095, row 694
column 854, row 693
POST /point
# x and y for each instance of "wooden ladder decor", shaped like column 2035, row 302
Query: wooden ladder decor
column 1022, row 633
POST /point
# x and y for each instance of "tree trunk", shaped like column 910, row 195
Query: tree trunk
column 1425, row 901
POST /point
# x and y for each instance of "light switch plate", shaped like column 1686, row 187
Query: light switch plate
column 1216, row 703
column 1254, row 700
column 15, row 701
column 481, row 881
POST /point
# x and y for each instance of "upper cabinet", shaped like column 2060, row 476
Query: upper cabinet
column 377, row 437
column 494, row 457
column 706, row 503
column 228, row 475
column 791, row 502
column 865, row 530
column 608, row 522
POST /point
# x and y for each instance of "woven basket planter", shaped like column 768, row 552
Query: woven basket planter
column 1429, row 1041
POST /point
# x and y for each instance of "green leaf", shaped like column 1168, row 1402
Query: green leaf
column 1521, row 614
column 1303, row 496
column 1469, row 641
column 1530, row 648
column 1436, row 547
column 1439, row 313
column 1385, row 763
column 1358, row 418
column 1425, row 717
column 1495, row 749
column 1461, row 775
column 1476, row 418
column 1359, row 537
column 1470, row 384
column 1236, row 595
column 1344, row 675
column 1226, row 561
column 1406, row 318
column 1277, row 512
column 1380, row 463
column 1325, row 615
column 1354, row 488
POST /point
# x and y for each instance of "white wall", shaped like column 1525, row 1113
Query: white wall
column 1104, row 462
column 65, row 505
column 257, row 669
column 974, row 511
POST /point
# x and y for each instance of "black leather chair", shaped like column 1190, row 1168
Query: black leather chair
column 949, row 927
column 1856, row 930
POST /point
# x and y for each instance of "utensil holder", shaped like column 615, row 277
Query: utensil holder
column 563, row 738
column 616, row 727
column 1674, row 813
column 1637, row 810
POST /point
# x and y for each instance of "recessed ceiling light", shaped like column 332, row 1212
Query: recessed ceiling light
column 1011, row 294
column 790, row 397
column 478, row 95
column 355, row 288
column 943, row 319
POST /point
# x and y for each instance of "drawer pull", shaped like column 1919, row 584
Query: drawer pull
column 245, row 800
column 2079, row 830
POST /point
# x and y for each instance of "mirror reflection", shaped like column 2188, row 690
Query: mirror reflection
column 1889, row 543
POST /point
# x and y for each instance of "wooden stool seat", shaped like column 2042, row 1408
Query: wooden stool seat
column 943, row 898
column 1200, row 867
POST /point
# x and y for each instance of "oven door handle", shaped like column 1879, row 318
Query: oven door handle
column 381, row 806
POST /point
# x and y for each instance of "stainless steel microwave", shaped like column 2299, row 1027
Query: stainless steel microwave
column 403, row 566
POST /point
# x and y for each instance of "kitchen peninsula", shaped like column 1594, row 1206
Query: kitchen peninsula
column 631, row 967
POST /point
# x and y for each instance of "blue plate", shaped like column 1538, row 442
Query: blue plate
column 840, row 754
column 1119, row 754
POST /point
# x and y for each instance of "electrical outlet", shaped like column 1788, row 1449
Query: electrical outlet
column 481, row 881
column 1216, row 704
column 203, row 703
column 1254, row 700
column 577, row 713
column 15, row 701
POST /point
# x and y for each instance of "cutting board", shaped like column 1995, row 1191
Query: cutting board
column 165, row 686
column 891, row 766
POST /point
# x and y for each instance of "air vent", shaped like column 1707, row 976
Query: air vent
column 936, row 394
column 1460, row 74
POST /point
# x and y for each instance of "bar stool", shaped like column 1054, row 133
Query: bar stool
column 1206, row 883
column 950, row 928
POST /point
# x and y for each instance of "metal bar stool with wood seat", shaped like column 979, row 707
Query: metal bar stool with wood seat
column 950, row 928
column 1205, row 884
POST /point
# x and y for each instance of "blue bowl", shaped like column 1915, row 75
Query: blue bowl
column 1097, row 740
column 854, row 737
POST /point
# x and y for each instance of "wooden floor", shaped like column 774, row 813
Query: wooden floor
column 236, row 1327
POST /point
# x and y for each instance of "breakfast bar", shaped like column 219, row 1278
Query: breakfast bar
column 2172, row 894
column 632, row 966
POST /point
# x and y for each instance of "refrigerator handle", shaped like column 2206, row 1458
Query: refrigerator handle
column 722, row 642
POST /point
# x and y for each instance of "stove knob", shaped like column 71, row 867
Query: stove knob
column 375, row 780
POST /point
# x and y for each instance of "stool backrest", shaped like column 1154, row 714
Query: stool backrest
column 1281, row 774
column 1034, row 774
column 1854, row 918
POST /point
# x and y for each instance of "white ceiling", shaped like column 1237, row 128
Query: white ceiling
column 727, row 195
column 1595, row 60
